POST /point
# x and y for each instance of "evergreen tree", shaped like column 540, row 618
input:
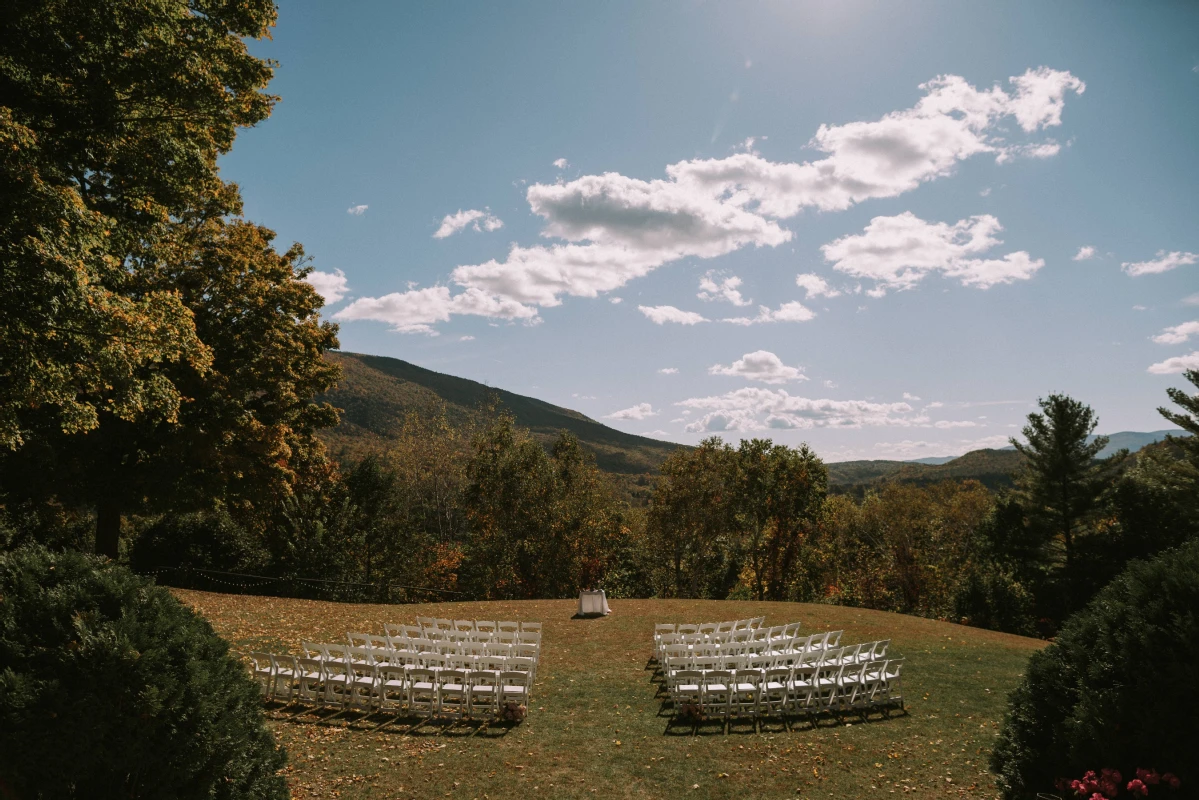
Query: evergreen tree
column 1061, row 482
column 1175, row 468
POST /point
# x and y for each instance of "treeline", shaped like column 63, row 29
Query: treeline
column 483, row 510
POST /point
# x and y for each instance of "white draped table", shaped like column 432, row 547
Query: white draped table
column 592, row 604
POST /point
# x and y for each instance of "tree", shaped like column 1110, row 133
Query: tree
column 1061, row 482
column 690, row 521
column 112, row 688
column 112, row 117
column 777, row 490
column 246, row 426
column 1175, row 469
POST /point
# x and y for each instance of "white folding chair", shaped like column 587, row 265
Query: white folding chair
column 718, row 692
column 310, row 683
column 263, row 672
column 774, row 691
column 746, row 694
column 516, row 687
column 687, row 688
column 892, row 689
column 392, row 690
column 483, row 693
column 507, row 627
column 530, row 626
column 422, row 692
column 339, row 677
column 284, row 683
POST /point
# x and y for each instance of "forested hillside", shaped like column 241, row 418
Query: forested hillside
column 376, row 393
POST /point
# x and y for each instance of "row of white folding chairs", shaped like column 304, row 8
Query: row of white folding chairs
column 796, row 644
column 709, row 628
column 446, row 647
column 473, row 625
column 420, row 691
column 440, row 656
column 833, row 656
column 782, row 690
column 693, row 633
column 741, row 636
column 402, row 633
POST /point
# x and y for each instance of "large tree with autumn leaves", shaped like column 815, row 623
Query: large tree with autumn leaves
column 155, row 349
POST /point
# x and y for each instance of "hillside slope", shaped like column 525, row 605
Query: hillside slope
column 377, row 392
column 992, row 468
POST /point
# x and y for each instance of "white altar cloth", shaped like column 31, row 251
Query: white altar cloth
column 593, row 604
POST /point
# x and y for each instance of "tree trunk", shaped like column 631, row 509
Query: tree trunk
column 108, row 529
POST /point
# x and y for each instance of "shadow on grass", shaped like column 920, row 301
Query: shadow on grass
column 381, row 722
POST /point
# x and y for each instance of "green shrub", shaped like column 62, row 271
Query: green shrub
column 1118, row 687
column 202, row 540
column 111, row 688
column 989, row 596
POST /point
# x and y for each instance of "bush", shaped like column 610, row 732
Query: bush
column 989, row 596
column 1117, row 689
column 110, row 687
column 202, row 540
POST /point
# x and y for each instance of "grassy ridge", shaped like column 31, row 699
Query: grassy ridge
column 598, row 727
column 376, row 392
column 993, row 468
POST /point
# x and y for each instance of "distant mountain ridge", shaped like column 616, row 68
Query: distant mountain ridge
column 1130, row 440
column 377, row 392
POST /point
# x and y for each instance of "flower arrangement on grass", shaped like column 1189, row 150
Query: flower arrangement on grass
column 512, row 711
column 690, row 711
column 1106, row 784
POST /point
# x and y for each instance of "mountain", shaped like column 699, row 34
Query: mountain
column 992, row 468
column 1130, row 440
column 376, row 393
column 934, row 460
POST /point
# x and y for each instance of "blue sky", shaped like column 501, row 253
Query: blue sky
column 884, row 229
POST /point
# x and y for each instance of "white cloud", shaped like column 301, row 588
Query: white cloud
column 1163, row 263
column 814, row 286
column 726, row 289
column 1047, row 149
column 466, row 338
column 909, row 448
column 619, row 228
column 330, row 285
column 357, row 211
column 1178, row 333
column 910, row 397
column 1140, row 308
column 898, row 252
column 1191, row 300
column 613, row 229
column 794, row 311
column 639, row 411
column 830, row 384
column 962, row 423
column 615, row 300
column 1084, row 253
column 753, row 409
column 935, row 404
column 417, row 310
column 985, row 192
column 1176, row 364
column 760, row 365
column 656, row 433
column 668, row 371
column 663, row 314
column 561, row 163
column 476, row 219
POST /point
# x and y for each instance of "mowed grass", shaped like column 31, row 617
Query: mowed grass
column 598, row 726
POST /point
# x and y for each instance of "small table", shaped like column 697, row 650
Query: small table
column 593, row 604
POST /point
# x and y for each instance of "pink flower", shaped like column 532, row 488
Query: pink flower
column 1113, row 775
column 1172, row 779
column 1149, row 776
column 1136, row 786
column 1097, row 796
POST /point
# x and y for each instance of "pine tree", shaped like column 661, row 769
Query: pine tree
column 1061, row 482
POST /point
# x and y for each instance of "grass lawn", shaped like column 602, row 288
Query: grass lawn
column 597, row 726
